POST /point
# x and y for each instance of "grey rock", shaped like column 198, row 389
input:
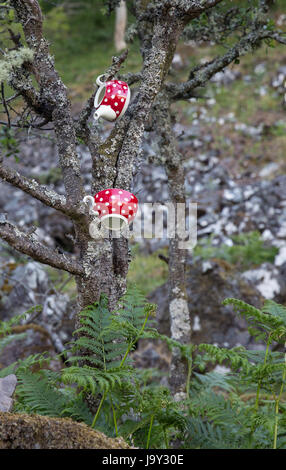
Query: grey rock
column 266, row 280
column 208, row 284
column 30, row 282
column 260, row 69
column 269, row 169
column 226, row 77
column 280, row 258
column 7, row 388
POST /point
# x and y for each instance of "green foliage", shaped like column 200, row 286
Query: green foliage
column 57, row 24
column 244, row 407
column 95, row 343
column 81, row 34
column 6, row 326
column 270, row 322
column 248, row 249
column 148, row 271
column 35, row 394
column 7, row 336
column 8, row 143
column 224, row 22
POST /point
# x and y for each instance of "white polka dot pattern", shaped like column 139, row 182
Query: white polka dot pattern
column 116, row 94
column 114, row 202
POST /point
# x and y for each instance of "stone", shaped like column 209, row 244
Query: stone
column 34, row 339
column 28, row 283
column 280, row 258
column 177, row 61
column 265, row 278
column 269, row 169
column 7, row 388
column 206, row 289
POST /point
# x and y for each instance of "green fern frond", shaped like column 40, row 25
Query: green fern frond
column 78, row 410
column 7, row 325
column 95, row 380
column 8, row 339
column 220, row 355
column 214, row 379
column 38, row 359
column 36, row 395
column 274, row 309
column 96, row 343
column 270, row 321
column 132, row 307
column 8, row 370
column 129, row 427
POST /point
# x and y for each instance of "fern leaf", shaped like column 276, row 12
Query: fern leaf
column 36, row 395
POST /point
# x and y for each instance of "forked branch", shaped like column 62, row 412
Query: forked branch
column 201, row 75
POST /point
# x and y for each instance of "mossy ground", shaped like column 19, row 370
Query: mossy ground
column 22, row 431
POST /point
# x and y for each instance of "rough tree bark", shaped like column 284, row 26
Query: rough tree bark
column 102, row 265
column 178, row 306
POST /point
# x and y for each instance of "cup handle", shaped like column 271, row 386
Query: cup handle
column 99, row 82
column 90, row 201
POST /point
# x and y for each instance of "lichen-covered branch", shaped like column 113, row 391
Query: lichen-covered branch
column 201, row 75
column 28, row 245
column 192, row 8
column 33, row 188
column 53, row 96
column 279, row 37
column 157, row 61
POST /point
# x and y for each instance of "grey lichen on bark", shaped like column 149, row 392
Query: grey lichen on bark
column 180, row 320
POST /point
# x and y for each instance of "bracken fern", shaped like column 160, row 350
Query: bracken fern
column 243, row 408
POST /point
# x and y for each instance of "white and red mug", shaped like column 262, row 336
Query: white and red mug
column 114, row 207
column 112, row 99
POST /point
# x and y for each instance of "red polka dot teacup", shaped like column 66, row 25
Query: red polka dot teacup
column 112, row 99
column 114, row 207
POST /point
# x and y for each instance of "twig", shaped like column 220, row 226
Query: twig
column 26, row 126
column 5, row 105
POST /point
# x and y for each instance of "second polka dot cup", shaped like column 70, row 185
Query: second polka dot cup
column 112, row 99
column 114, row 207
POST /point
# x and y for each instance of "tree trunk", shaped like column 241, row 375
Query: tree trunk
column 120, row 26
column 178, row 306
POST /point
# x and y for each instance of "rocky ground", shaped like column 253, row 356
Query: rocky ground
column 236, row 191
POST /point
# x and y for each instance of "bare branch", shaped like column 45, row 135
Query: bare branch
column 11, row 98
column 178, row 305
column 279, row 38
column 131, row 77
column 30, row 15
column 18, row 124
column 187, row 9
column 156, row 65
column 201, row 75
column 28, row 245
column 42, row 193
